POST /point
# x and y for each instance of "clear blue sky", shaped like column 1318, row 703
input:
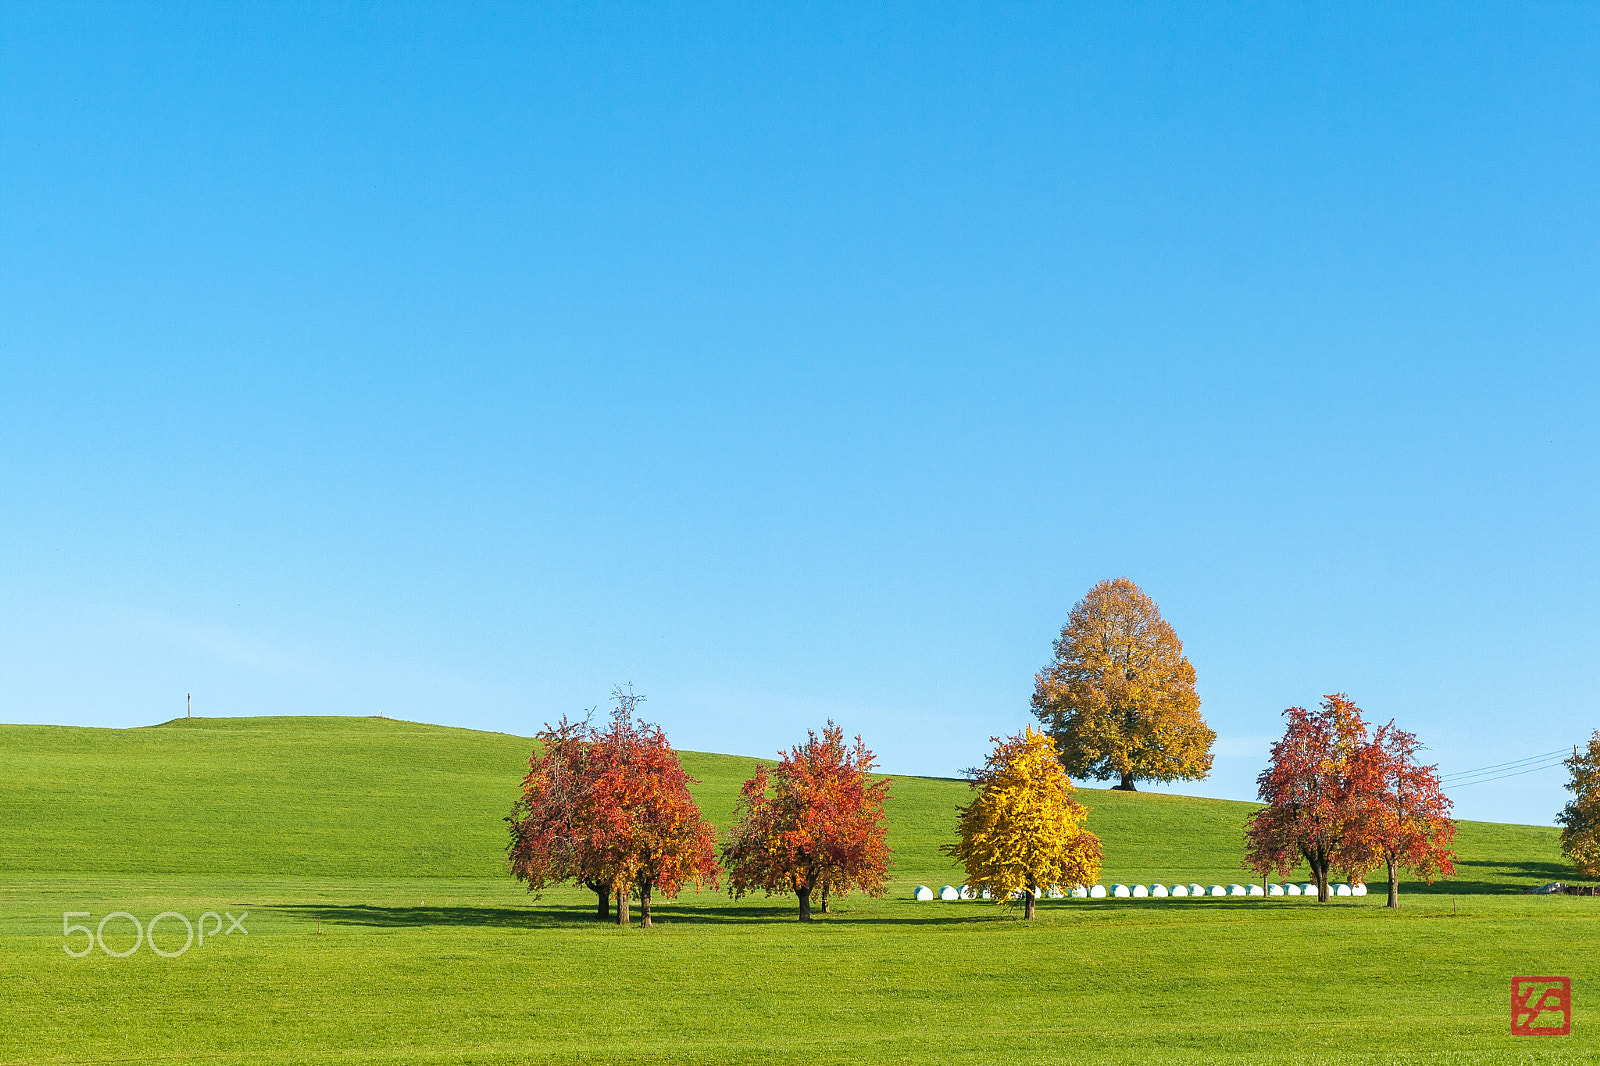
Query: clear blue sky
column 462, row 362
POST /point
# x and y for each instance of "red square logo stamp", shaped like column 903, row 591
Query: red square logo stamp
column 1541, row 1006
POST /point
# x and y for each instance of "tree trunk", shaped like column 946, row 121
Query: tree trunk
column 1126, row 785
column 622, row 906
column 805, row 904
column 605, row 903
column 644, row 904
column 827, row 907
column 1027, row 907
column 1394, row 885
column 1320, row 869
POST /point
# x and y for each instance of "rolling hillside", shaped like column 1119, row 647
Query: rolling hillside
column 378, row 798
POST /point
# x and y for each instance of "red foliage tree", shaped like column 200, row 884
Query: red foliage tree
column 1318, row 791
column 550, row 838
column 1409, row 824
column 815, row 820
column 612, row 811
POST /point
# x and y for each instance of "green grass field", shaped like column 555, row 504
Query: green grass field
column 382, row 928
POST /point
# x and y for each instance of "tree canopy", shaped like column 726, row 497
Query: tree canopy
column 1315, row 789
column 1023, row 829
column 1118, row 698
column 814, row 821
column 1339, row 798
column 610, row 809
column 1410, row 828
column 644, row 819
column 1580, row 819
column 551, row 839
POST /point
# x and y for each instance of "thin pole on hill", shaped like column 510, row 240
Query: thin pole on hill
column 188, row 704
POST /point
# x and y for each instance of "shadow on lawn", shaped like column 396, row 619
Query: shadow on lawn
column 363, row 914
column 1513, row 878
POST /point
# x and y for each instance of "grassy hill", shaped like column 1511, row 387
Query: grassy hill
column 379, row 798
column 365, row 855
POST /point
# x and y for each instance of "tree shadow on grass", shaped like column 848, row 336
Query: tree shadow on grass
column 547, row 917
column 1514, row 878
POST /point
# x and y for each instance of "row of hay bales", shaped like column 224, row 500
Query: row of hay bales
column 951, row 893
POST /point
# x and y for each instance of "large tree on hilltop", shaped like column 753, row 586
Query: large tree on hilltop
column 1118, row 699
column 1580, row 819
column 1023, row 829
column 814, row 821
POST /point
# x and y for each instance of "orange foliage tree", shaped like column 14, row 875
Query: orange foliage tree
column 815, row 820
column 1119, row 697
column 612, row 811
column 644, row 820
column 1023, row 829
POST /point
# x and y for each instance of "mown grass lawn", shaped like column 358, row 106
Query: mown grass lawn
column 385, row 837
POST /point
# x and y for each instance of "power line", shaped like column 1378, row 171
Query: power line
column 1464, row 779
column 1518, row 768
column 1504, row 765
column 1516, row 773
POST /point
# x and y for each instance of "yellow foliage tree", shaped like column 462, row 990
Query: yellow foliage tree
column 1119, row 698
column 1580, row 820
column 1024, row 830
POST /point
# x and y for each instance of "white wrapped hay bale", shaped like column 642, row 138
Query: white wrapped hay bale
column 1216, row 890
column 1054, row 892
column 1257, row 890
column 1180, row 890
column 923, row 894
column 1237, row 890
column 1291, row 889
column 1274, row 890
column 949, row 893
column 1159, row 891
column 1140, row 892
column 1079, row 892
column 1196, row 889
column 1097, row 892
column 1341, row 889
column 1358, row 890
column 1120, row 892
column 1308, row 890
column 967, row 892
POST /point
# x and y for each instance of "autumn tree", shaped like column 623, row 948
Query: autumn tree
column 1319, row 795
column 1023, row 829
column 1580, row 819
column 1118, row 698
column 644, row 823
column 611, row 810
column 1409, row 825
column 815, row 820
column 551, row 841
